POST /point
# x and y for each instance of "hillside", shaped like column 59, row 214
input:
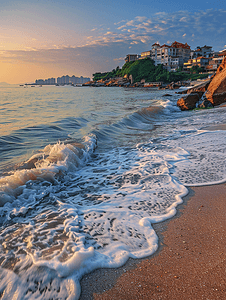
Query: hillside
column 145, row 69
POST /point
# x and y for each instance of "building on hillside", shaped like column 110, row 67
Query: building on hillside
column 131, row 57
column 145, row 54
column 201, row 62
column 156, row 53
column 172, row 57
column 222, row 53
column 216, row 60
column 205, row 51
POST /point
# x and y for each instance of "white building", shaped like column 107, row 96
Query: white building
column 172, row 57
column 205, row 51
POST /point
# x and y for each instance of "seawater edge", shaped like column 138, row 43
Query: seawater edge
column 165, row 273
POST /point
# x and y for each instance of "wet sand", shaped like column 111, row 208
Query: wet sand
column 189, row 264
column 215, row 127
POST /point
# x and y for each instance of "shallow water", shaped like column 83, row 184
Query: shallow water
column 84, row 174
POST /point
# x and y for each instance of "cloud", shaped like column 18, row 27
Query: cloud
column 123, row 21
column 140, row 19
column 109, row 33
column 121, row 27
column 101, row 47
column 119, row 59
column 169, row 26
column 130, row 23
column 183, row 19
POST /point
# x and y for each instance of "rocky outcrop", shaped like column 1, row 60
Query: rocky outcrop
column 222, row 66
column 199, row 88
column 216, row 92
column 205, row 104
column 173, row 86
column 166, row 95
column 119, row 81
column 188, row 102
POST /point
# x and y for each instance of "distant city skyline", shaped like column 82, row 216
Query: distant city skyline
column 49, row 38
column 65, row 79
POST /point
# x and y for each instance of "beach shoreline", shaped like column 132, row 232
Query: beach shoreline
column 190, row 260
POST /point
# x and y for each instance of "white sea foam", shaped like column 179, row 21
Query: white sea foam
column 205, row 163
column 102, row 227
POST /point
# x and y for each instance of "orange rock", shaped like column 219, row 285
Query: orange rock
column 222, row 66
column 216, row 92
column 188, row 102
column 200, row 89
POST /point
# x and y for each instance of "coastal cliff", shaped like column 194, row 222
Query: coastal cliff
column 210, row 93
column 216, row 92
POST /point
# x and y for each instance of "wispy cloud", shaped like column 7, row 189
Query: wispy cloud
column 119, row 22
column 140, row 19
column 195, row 27
column 119, row 59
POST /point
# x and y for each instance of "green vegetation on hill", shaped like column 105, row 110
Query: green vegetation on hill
column 107, row 75
column 145, row 69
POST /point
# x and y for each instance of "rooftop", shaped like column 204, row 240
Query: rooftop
column 174, row 45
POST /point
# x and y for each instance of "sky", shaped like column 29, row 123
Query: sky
column 51, row 38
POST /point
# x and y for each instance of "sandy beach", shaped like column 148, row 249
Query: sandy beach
column 189, row 264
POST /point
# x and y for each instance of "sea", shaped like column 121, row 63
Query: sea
column 86, row 171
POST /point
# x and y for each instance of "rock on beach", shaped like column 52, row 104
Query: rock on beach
column 216, row 92
column 188, row 102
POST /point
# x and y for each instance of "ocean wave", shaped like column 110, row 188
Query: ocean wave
column 52, row 161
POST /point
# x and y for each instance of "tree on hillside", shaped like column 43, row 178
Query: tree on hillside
column 196, row 70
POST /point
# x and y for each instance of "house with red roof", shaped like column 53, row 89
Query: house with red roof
column 171, row 56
